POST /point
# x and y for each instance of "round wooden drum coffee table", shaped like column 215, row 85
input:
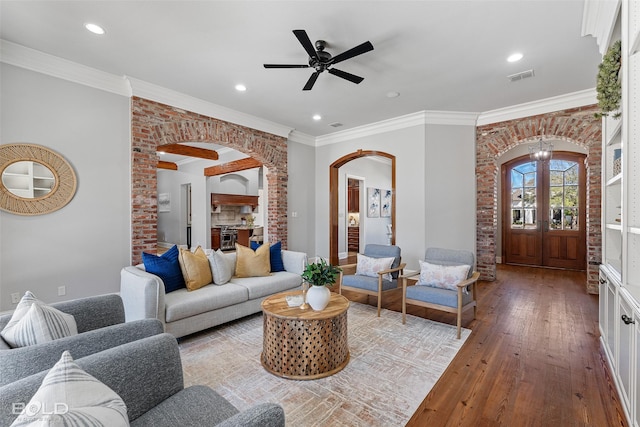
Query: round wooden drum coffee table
column 304, row 344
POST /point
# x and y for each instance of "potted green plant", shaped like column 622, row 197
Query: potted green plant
column 319, row 275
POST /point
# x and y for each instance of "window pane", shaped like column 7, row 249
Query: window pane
column 516, row 218
column 516, row 179
column 571, row 175
column 570, row 219
column 530, row 197
column 555, row 196
column 516, row 198
column 556, row 177
column 571, row 196
column 529, row 218
column 530, row 179
column 555, row 219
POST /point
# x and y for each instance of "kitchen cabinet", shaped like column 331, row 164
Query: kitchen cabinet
column 243, row 236
column 353, row 195
column 353, row 239
column 215, row 238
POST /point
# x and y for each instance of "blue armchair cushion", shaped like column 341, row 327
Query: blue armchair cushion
column 369, row 283
column 436, row 296
column 166, row 267
column 275, row 255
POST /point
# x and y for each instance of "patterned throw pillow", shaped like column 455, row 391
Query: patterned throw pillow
column 442, row 276
column 252, row 264
column 195, row 268
column 222, row 266
column 275, row 255
column 70, row 396
column 166, row 267
column 34, row 322
column 369, row 266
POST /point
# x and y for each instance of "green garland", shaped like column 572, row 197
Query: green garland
column 609, row 88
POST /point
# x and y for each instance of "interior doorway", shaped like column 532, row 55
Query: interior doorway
column 334, row 218
column 544, row 214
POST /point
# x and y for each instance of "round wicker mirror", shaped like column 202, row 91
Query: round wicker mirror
column 34, row 179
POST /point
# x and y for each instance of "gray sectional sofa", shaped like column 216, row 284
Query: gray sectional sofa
column 147, row 375
column 184, row 312
column 101, row 326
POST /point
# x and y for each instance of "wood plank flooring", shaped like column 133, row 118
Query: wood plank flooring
column 533, row 359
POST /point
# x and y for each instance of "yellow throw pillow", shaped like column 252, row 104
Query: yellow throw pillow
column 252, row 264
column 195, row 268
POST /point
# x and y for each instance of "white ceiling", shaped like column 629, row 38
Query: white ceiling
column 439, row 55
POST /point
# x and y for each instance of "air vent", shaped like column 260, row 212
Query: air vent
column 335, row 124
column 521, row 75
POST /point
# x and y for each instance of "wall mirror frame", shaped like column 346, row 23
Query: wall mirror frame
column 62, row 187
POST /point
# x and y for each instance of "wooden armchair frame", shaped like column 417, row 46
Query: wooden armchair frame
column 350, row 269
column 469, row 283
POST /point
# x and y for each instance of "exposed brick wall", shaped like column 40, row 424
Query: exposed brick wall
column 154, row 124
column 578, row 126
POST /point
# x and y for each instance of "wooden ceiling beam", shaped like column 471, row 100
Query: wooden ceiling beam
column 185, row 150
column 167, row 165
column 234, row 166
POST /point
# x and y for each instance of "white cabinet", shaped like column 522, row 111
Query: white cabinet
column 620, row 271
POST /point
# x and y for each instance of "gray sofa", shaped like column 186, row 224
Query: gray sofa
column 147, row 375
column 100, row 322
column 185, row 312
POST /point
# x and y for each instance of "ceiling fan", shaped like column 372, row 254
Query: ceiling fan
column 323, row 61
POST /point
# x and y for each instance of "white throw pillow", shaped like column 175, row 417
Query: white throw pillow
column 70, row 396
column 222, row 266
column 34, row 322
column 442, row 276
column 369, row 266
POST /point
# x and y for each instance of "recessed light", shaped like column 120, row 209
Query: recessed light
column 94, row 28
column 317, row 117
column 241, row 88
column 393, row 94
column 515, row 57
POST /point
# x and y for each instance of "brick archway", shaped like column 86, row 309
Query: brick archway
column 154, row 124
column 578, row 126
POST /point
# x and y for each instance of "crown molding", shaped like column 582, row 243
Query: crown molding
column 542, row 106
column 157, row 93
column 420, row 118
column 302, row 138
column 599, row 19
column 44, row 63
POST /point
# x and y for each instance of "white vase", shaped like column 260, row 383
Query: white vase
column 318, row 297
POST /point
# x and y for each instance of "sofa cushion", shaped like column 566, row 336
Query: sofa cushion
column 70, row 396
column 442, row 276
column 436, row 295
column 222, row 266
column 34, row 322
column 182, row 303
column 250, row 263
column 275, row 255
column 166, row 267
column 195, row 268
column 258, row 287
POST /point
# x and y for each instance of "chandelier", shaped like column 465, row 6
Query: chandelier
column 541, row 152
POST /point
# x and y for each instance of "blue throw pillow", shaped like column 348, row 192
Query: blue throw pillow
column 166, row 267
column 275, row 255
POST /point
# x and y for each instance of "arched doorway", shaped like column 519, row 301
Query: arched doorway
column 154, row 124
column 543, row 211
column 578, row 126
column 333, row 197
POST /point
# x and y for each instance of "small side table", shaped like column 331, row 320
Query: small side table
column 304, row 344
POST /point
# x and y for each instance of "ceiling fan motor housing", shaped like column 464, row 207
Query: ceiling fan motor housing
column 321, row 63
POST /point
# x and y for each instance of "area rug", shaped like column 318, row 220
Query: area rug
column 391, row 370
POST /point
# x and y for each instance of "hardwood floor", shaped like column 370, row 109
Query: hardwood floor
column 533, row 358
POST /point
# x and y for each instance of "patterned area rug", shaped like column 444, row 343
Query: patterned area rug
column 391, row 370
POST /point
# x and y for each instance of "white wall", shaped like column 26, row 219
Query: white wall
column 84, row 245
column 450, row 187
column 301, row 198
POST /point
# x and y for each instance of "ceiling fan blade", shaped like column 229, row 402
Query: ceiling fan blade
column 358, row 50
column 303, row 38
column 285, row 66
column 311, row 81
column 347, row 76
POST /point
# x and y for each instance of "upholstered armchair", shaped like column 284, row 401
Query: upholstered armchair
column 446, row 282
column 101, row 325
column 376, row 272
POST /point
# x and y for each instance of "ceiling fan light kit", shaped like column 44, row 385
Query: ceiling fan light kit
column 321, row 61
